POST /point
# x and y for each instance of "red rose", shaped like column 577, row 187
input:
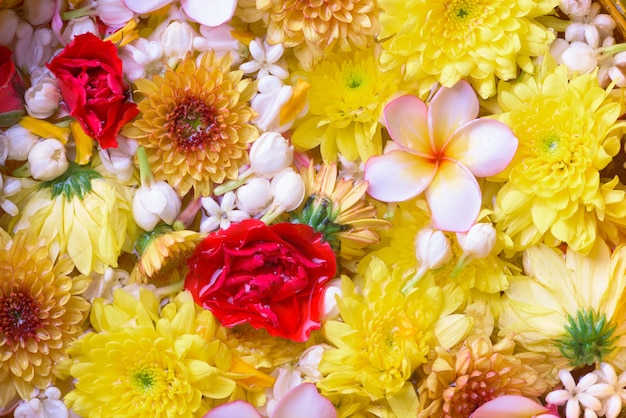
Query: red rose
column 11, row 90
column 270, row 276
column 90, row 79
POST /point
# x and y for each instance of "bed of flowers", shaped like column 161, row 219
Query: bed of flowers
column 312, row 208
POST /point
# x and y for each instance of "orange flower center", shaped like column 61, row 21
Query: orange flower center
column 192, row 124
column 19, row 317
column 468, row 398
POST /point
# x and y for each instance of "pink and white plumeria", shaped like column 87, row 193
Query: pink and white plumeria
column 440, row 150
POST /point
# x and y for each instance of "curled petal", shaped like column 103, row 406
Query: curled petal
column 511, row 406
column 398, row 176
column 239, row 409
column 484, row 146
column 450, row 109
column 407, row 122
column 209, row 13
column 304, row 401
column 454, row 198
column 145, row 6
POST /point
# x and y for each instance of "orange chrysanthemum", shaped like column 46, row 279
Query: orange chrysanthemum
column 40, row 314
column 195, row 123
column 315, row 26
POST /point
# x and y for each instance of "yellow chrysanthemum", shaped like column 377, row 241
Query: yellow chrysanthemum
column 144, row 363
column 337, row 208
column 195, row 123
column 567, row 133
column 81, row 214
column 313, row 27
column 458, row 381
column 569, row 308
column 448, row 40
column 489, row 274
column 346, row 97
column 40, row 313
column 163, row 254
column 384, row 335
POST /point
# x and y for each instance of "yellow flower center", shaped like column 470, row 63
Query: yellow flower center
column 462, row 16
column 385, row 342
column 553, row 149
column 143, row 379
column 19, row 317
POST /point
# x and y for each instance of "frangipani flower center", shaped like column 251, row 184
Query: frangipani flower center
column 19, row 317
column 192, row 124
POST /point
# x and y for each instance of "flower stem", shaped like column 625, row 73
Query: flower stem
column 170, row 289
column 186, row 217
column 232, row 184
column 80, row 12
column 408, row 287
column 145, row 173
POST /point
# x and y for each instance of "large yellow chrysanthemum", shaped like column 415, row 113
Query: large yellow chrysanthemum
column 448, row 40
column 567, row 133
column 195, row 123
column 144, row 363
column 569, row 308
column 313, row 27
column 346, row 98
column 384, row 335
column 40, row 313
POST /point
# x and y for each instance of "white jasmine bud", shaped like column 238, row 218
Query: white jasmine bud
column 580, row 58
column 114, row 13
column 432, row 248
column 479, row 241
column 47, row 159
column 330, row 310
column 38, row 12
column 270, row 154
column 254, row 196
column 288, row 189
column 575, row 8
column 272, row 95
column 33, row 48
column 141, row 58
column 154, row 201
column 8, row 22
column 119, row 161
column 43, row 405
column 177, row 40
column 79, row 26
column 20, row 142
column 42, row 99
column 309, row 361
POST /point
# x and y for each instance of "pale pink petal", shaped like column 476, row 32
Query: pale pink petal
column 485, row 146
column 407, row 122
column 398, row 176
column 209, row 13
column 304, row 401
column 145, row 6
column 454, row 197
column 450, row 109
column 510, row 406
column 239, row 409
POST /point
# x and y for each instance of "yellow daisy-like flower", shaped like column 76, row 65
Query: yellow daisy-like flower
column 448, row 40
column 567, row 132
column 338, row 209
column 81, row 214
column 384, row 335
column 346, row 97
column 313, row 27
column 569, row 308
column 195, row 123
column 40, row 313
column 144, row 363
column 460, row 380
column 163, row 254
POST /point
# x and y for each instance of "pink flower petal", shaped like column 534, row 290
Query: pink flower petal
column 485, row 146
column 398, row 176
column 239, row 409
column 304, row 401
column 454, row 197
column 145, row 6
column 510, row 406
column 407, row 122
column 450, row 109
column 209, row 13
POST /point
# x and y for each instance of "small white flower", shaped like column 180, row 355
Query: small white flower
column 47, row 159
column 142, row 59
column 155, row 202
column 119, row 161
column 266, row 59
column 220, row 215
column 591, row 28
column 580, row 58
column 79, row 26
column 42, row 99
column 478, row 241
column 176, row 41
column 43, row 405
column 310, row 359
column 220, row 40
column 8, row 187
column 575, row 8
column 33, row 47
column 612, row 405
column 254, row 196
column 103, row 285
column 586, row 394
column 270, row 154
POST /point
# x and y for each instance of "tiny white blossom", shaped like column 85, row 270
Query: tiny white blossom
column 43, row 405
column 612, row 405
column 42, row 99
column 220, row 215
column 266, row 59
column 585, row 396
